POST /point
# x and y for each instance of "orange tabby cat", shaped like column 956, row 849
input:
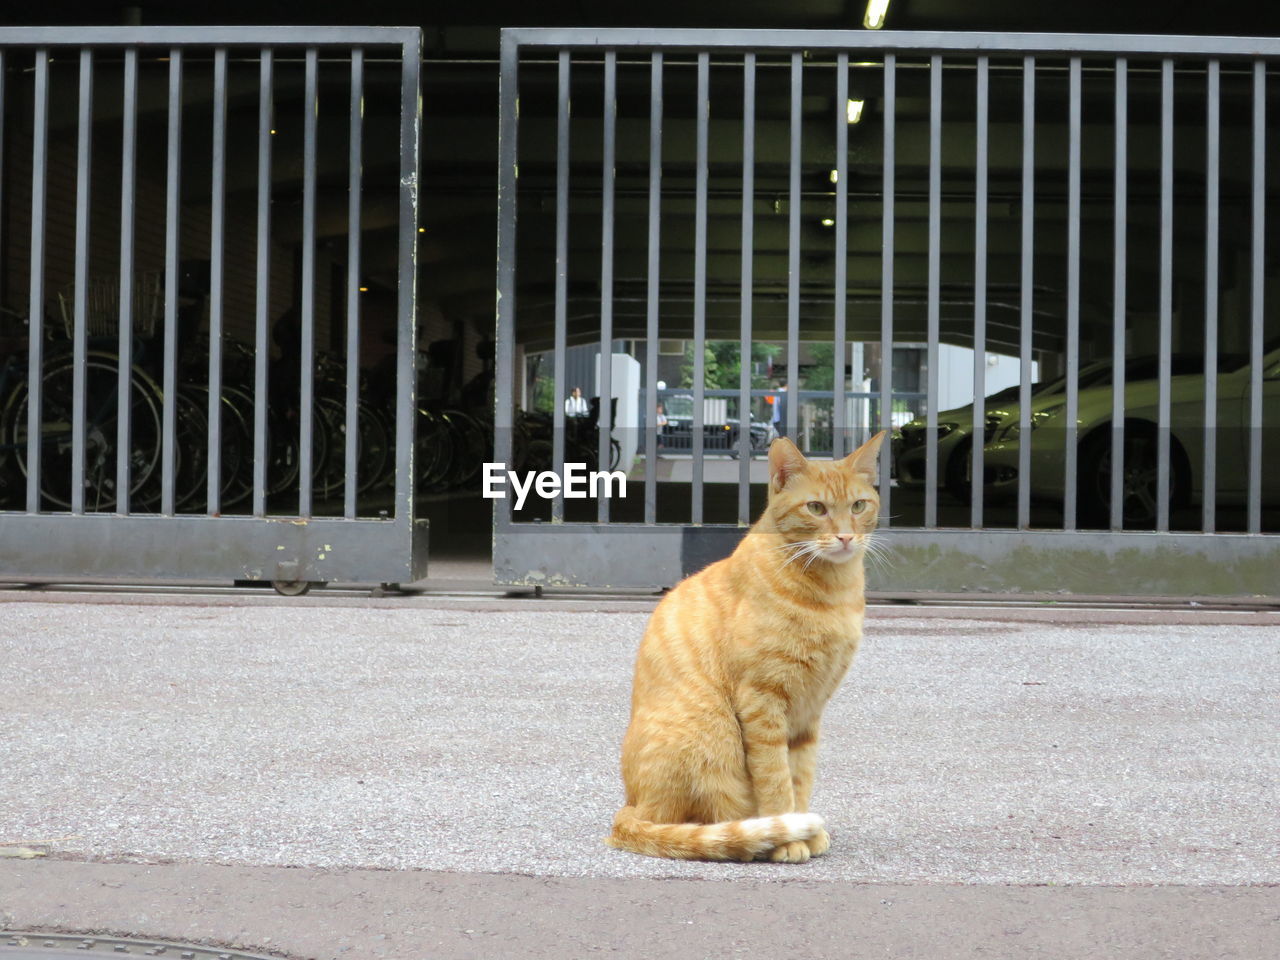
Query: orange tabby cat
column 736, row 666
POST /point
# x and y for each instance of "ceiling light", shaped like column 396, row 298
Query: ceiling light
column 828, row 222
column 835, row 176
column 876, row 10
column 853, row 110
column 364, row 289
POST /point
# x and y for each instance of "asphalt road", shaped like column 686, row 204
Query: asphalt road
column 464, row 743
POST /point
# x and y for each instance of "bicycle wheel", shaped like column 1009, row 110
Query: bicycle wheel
column 101, row 415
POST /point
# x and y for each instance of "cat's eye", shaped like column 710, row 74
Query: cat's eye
column 816, row 507
column 859, row 505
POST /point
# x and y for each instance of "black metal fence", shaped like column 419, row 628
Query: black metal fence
column 208, row 292
column 1094, row 207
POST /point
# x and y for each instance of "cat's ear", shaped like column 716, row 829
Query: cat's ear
column 785, row 461
column 863, row 460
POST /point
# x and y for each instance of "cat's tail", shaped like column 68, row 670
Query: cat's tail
column 732, row 840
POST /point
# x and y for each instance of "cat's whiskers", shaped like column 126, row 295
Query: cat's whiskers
column 877, row 551
column 800, row 548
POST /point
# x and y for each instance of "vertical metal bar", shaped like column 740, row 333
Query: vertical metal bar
column 1027, row 291
column 1073, row 298
column 80, row 340
column 1166, row 294
column 217, row 241
column 840, row 352
column 355, row 159
column 793, row 254
column 1119, row 294
column 1212, row 123
column 128, row 187
column 262, row 304
column 1258, row 240
column 934, row 281
column 655, row 251
column 700, row 286
column 172, row 211
column 306, row 392
column 747, row 284
column 508, row 128
column 976, row 470
column 407, row 274
column 886, row 281
column 3, row 288
column 562, row 280
column 35, row 307
column 605, row 376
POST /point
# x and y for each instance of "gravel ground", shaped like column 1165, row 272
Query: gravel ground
column 956, row 751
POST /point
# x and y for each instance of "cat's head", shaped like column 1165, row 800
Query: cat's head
column 826, row 508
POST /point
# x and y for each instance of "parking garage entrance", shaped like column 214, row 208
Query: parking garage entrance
column 1040, row 262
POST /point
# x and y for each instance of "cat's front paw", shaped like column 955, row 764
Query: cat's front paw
column 797, row 851
column 819, row 843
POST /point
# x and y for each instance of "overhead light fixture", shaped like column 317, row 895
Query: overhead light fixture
column 835, row 176
column 828, row 222
column 364, row 289
column 853, row 110
column 876, row 10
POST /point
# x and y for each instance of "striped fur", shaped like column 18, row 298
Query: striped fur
column 736, row 666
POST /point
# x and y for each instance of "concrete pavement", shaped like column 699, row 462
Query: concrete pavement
column 459, row 741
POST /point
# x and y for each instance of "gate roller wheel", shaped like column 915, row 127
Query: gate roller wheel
column 291, row 588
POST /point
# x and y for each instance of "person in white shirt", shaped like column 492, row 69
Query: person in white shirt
column 576, row 405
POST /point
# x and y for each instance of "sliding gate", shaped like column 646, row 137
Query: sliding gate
column 205, row 232
column 821, row 233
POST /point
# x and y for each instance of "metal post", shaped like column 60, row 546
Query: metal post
column 355, row 160
column 216, row 243
column 562, row 276
column 508, row 128
column 935, row 260
column 842, row 258
column 263, row 284
column 35, row 303
column 1073, row 299
column 793, row 253
column 84, row 153
column 653, row 292
column 1119, row 313
column 886, row 282
column 1258, row 250
column 1166, row 294
column 700, row 286
column 1027, row 300
column 173, row 209
column 747, row 284
column 976, row 469
column 407, row 271
column 609, row 174
column 128, row 187
column 306, row 390
column 1213, row 108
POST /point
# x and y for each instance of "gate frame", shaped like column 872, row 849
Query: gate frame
column 38, row 547
column 1021, row 562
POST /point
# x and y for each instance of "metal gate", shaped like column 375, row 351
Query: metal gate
column 1092, row 208
column 186, row 387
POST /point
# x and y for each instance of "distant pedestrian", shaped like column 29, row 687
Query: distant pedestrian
column 576, row 405
column 780, row 411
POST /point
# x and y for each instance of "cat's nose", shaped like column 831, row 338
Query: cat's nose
column 844, row 538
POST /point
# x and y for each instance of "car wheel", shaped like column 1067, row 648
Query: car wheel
column 1139, row 485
